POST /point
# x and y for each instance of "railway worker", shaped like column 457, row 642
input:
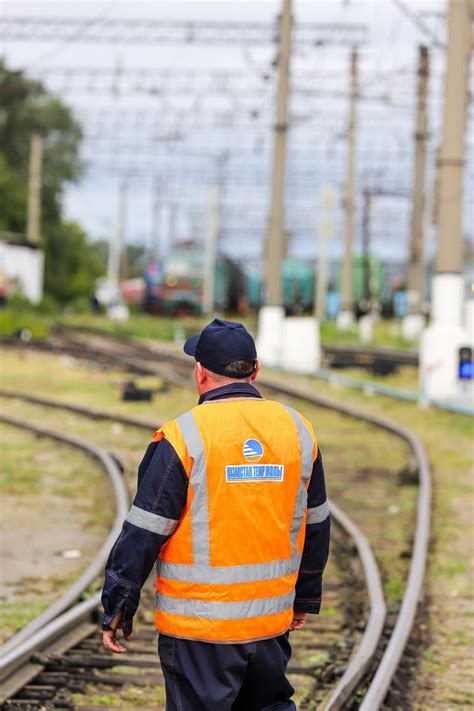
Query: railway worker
column 231, row 501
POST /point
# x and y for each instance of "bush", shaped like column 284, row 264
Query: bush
column 14, row 320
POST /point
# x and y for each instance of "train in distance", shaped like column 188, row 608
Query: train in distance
column 175, row 285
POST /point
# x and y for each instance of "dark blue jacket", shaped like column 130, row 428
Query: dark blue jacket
column 162, row 490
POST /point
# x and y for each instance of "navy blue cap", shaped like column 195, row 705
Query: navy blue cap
column 221, row 343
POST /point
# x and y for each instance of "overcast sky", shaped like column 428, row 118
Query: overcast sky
column 126, row 129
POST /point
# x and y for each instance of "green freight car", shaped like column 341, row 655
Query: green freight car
column 368, row 279
column 297, row 286
column 298, row 283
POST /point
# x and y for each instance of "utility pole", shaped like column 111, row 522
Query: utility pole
column 441, row 342
column 414, row 321
column 272, row 314
column 275, row 236
column 325, row 230
column 451, row 158
column 210, row 253
column 33, row 223
column 115, row 261
column 346, row 314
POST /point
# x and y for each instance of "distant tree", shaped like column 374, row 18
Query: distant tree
column 100, row 248
column 12, row 199
column 137, row 259
column 80, row 266
column 25, row 107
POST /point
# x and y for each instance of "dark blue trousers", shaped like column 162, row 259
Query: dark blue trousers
column 200, row 676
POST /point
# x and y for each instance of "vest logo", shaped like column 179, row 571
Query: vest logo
column 254, row 472
column 253, row 450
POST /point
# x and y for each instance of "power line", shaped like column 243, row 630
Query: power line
column 419, row 23
column 152, row 31
column 82, row 29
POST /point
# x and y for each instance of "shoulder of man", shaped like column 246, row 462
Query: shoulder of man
column 172, row 433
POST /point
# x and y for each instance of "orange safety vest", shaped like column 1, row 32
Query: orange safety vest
column 228, row 571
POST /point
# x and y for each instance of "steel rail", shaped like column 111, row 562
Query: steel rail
column 388, row 665
column 112, row 352
column 94, row 569
column 390, row 660
column 369, row 388
column 367, row 646
column 13, row 662
column 365, row 650
column 90, row 412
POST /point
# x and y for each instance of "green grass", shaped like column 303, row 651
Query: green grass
column 14, row 320
column 405, row 378
column 33, row 466
column 386, row 334
column 146, row 696
column 16, row 614
column 38, row 476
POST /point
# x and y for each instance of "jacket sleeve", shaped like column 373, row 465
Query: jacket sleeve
column 316, row 546
column 154, row 515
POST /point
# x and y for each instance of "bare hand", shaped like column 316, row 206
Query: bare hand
column 109, row 637
column 299, row 621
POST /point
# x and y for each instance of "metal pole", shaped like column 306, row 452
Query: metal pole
column 275, row 244
column 123, row 261
column 172, row 215
column 155, row 220
column 366, row 290
column 442, row 341
column 451, row 158
column 326, row 228
column 34, row 189
column 347, row 277
column 416, row 257
column 210, row 254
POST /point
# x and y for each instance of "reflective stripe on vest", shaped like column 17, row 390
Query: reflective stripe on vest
column 199, row 508
column 307, row 447
column 225, row 610
column 260, row 616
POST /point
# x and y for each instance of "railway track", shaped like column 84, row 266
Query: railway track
column 380, row 361
column 333, row 666
column 320, row 657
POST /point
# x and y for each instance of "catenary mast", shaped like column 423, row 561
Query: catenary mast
column 346, row 313
column 441, row 342
column 34, row 189
column 414, row 321
column 272, row 314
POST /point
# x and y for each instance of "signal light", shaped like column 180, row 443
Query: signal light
column 466, row 366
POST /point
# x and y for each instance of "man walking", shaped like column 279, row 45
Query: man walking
column 231, row 503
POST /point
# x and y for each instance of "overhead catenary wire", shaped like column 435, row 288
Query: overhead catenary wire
column 80, row 33
column 419, row 23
